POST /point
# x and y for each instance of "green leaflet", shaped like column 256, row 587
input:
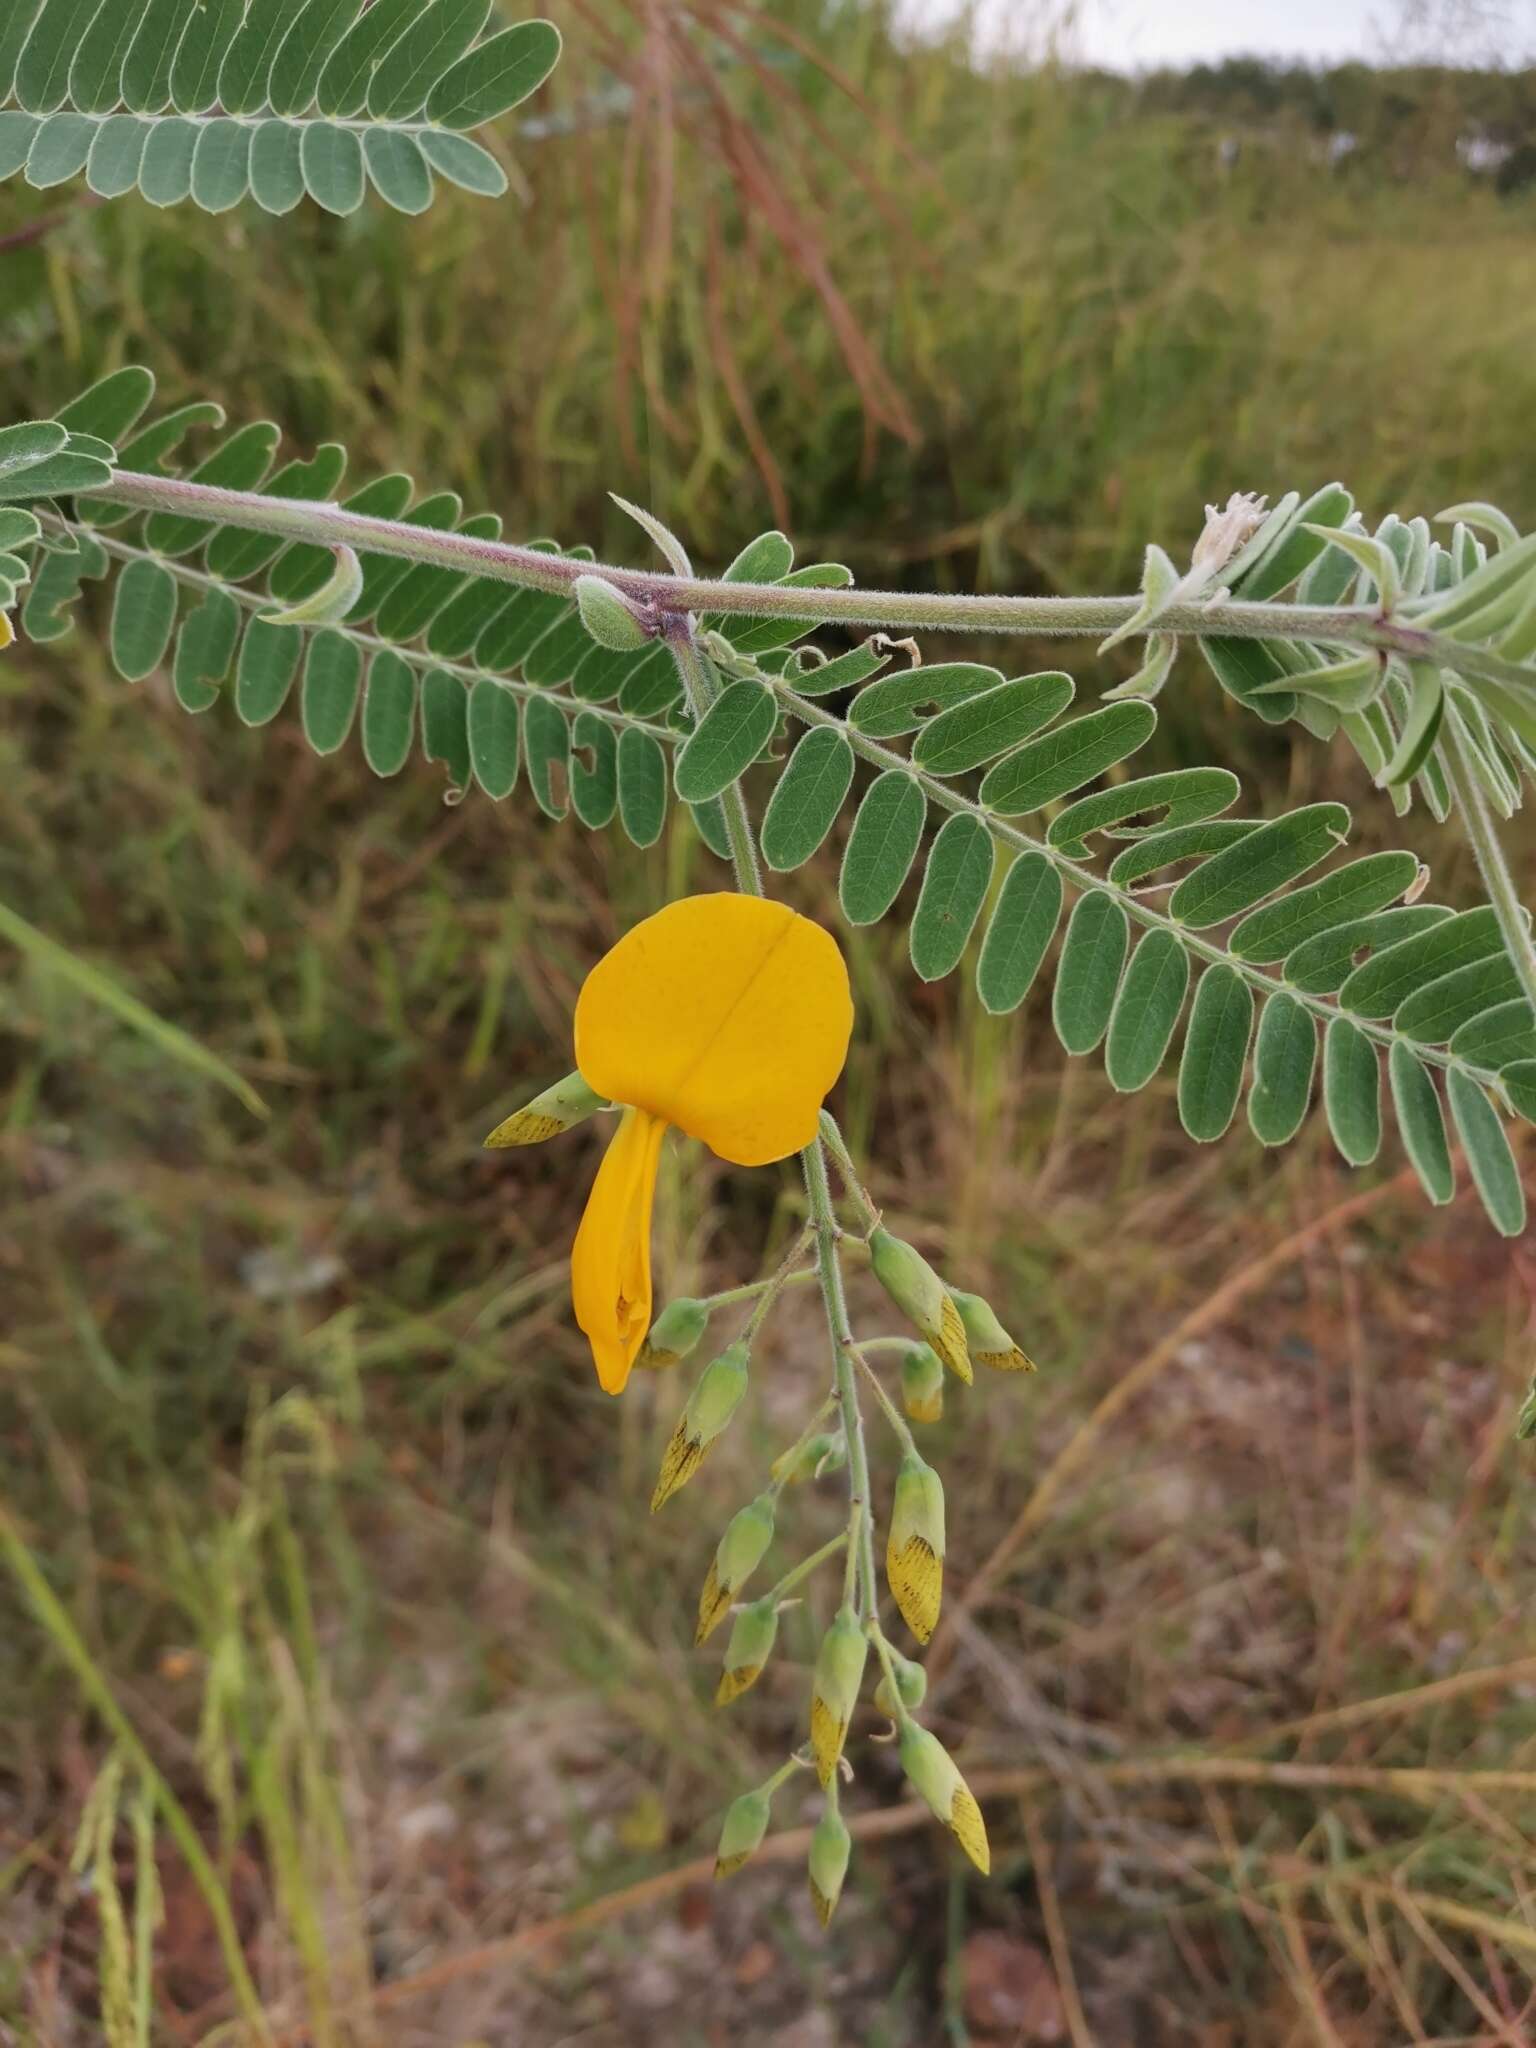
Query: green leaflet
column 59, row 149
column 710, row 820
column 1215, row 1051
column 496, row 77
column 333, row 678
column 1389, row 978
column 421, row 593
column 42, row 73
column 343, row 86
column 436, row 39
column 397, row 169
column 1066, row 757
column 1322, row 964
column 1499, row 1037
column 239, row 464
column 221, row 165
column 16, row 133
column 1242, row 875
column 117, row 155
column 547, row 752
column 1422, row 1122
column 1294, row 550
column 303, row 53
column 1244, row 669
column 1088, row 974
column 1187, row 796
column 56, row 580
column 594, row 770
column 1433, row 1013
column 143, row 618
column 843, row 672
column 1146, row 1011
column 1486, row 1146
column 882, row 846
column 389, row 714
column 494, row 737
column 899, row 704
column 1184, row 842
column 247, row 65
column 982, row 727
column 1519, row 1081
column 235, row 552
column 1284, row 1060
column 1348, row 893
column 954, row 888
column 1352, row 1091
column 95, row 73
column 808, row 796
column 269, row 660
column 445, row 725
column 200, row 54
column 642, row 786
column 205, row 650
column 1023, row 923
column 331, row 160
column 730, row 736
column 462, row 162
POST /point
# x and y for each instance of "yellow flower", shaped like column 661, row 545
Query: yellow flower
column 725, row 1015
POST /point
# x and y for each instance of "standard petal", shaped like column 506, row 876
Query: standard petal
column 726, row 1015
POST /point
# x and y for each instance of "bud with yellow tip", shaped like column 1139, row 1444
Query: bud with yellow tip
column 711, row 1405
column 558, row 1109
column 737, row 1556
column 675, row 1332
column 742, row 1831
column 827, row 1452
column 827, row 1865
column 931, row 1771
column 922, row 1297
column 914, row 1549
column 753, row 1634
column 989, row 1343
column 835, row 1689
column 911, row 1685
column 922, row 1383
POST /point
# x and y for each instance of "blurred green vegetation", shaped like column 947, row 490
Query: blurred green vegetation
column 291, row 1414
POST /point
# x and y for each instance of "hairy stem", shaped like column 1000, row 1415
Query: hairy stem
column 1477, row 820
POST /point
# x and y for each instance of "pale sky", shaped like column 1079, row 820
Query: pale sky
column 1132, row 34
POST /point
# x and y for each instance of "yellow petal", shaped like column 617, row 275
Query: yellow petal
column 7, row 632
column 949, row 1342
column 726, row 1015
column 714, row 1603
column 733, row 1683
column 611, row 1258
column 916, row 1579
column 970, row 1830
column 828, row 1734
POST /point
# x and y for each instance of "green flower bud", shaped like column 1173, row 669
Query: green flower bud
column 751, row 1645
column 675, row 1332
column 569, row 1102
column 922, row 1383
column 831, row 1846
column 922, row 1297
column 711, row 1405
column 989, row 1343
column 911, row 1685
column 737, row 1556
column 608, row 616
column 914, row 1548
column 741, row 1834
column 931, row 1771
column 835, row 1689
column 825, row 1453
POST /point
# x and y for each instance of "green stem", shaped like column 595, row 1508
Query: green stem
column 774, row 1286
column 824, row 1223
column 847, row 1172
column 1472, row 809
column 893, row 1414
column 699, row 681
column 806, row 1566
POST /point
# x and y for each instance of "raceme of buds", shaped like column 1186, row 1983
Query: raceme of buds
column 914, row 1549
column 750, row 1647
column 990, row 1344
column 911, row 1685
column 608, row 616
column 922, row 1383
column 710, row 1407
column 931, row 1771
column 675, row 1332
column 737, row 1556
column 922, row 1296
column 835, row 1689
column 825, row 1453
column 569, row 1102
column 831, row 1846
column 742, row 1832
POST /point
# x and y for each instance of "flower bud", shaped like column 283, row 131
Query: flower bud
column 737, row 1556
column 750, row 1647
column 914, row 1548
column 675, row 1332
column 835, row 1689
column 569, row 1102
column 911, row 1685
column 931, row 1771
column 831, row 1846
column 922, row 1296
column 742, row 1832
column 825, row 1453
column 710, row 1407
column 922, row 1383
column 608, row 616
column 989, row 1343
